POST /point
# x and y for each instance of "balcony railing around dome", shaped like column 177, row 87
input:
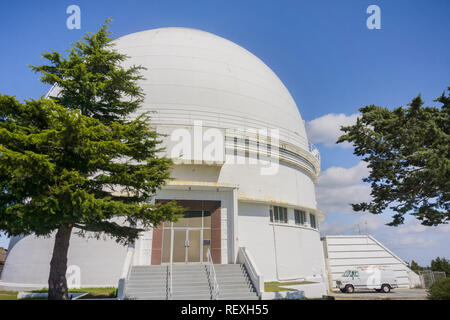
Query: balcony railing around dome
column 314, row 151
column 212, row 277
column 179, row 116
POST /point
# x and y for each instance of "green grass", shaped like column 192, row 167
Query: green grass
column 92, row 293
column 8, row 295
column 275, row 286
column 97, row 293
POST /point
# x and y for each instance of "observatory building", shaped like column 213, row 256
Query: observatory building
column 244, row 170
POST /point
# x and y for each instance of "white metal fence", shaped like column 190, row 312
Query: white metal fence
column 428, row 277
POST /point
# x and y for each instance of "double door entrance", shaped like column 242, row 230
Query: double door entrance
column 188, row 239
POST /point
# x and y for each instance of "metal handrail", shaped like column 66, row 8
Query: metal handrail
column 169, row 279
column 126, row 271
column 213, row 282
column 256, row 278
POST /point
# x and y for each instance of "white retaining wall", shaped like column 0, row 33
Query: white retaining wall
column 349, row 252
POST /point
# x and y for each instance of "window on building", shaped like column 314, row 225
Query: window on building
column 247, row 147
column 312, row 219
column 257, row 147
column 278, row 215
column 300, row 217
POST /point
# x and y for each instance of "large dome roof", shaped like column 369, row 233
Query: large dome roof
column 195, row 75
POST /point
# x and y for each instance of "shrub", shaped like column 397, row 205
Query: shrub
column 440, row 290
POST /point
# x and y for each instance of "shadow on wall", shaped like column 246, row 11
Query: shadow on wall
column 282, row 295
column 191, row 172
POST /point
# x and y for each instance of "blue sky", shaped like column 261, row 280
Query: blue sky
column 322, row 50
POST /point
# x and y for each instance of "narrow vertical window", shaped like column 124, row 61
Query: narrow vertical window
column 297, row 217
column 312, row 219
column 302, row 217
column 257, row 147
column 247, row 147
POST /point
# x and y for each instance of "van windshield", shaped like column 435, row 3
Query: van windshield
column 347, row 273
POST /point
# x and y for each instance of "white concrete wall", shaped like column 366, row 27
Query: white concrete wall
column 281, row 252
column 349, row 252
column 143, row 249
column 303, row 291
column 289, row 185
column 99, row 261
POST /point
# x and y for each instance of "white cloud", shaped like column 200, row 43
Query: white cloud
column 338, row 187
column 327, row 129
column 336, row 228
column 421, row 242
column 413, row 226
column 365, row 223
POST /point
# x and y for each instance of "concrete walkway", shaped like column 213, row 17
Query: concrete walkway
column 395, row 294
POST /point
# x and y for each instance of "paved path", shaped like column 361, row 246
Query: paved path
column 395, row 294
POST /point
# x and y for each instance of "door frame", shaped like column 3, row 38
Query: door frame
column 186, row 251
column 215, row 243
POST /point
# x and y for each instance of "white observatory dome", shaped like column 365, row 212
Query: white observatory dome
column 253, row 206
column 195, row 75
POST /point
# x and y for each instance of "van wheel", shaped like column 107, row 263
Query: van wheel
column 349, row 289
column 386, row 288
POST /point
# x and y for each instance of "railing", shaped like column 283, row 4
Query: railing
column 169, row 282
column 212, row 277
column 256, row 277
column 314, row 151
column 54, row 87
column 183, row 116
column 126, row 270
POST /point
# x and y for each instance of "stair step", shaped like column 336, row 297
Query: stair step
column 193, row 297
column 144, row 297
column 231, row 295
column 148, row 275
column 161, row 295
column 240, row 298
column 190, row 286
column 190, row 282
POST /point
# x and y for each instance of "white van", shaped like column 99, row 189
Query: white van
column 381, row 280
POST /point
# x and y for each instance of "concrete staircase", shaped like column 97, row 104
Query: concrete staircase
column 234, row 282
column 189, row 282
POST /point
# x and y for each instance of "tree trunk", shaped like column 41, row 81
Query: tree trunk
column 57, row 283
